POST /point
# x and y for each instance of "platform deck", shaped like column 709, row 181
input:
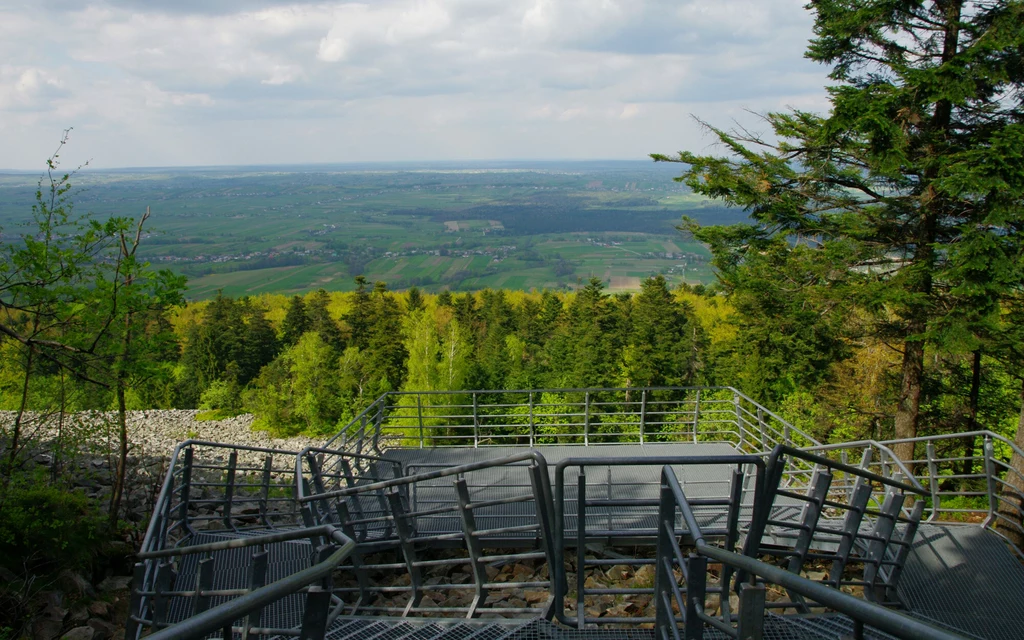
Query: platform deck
column 634, row 482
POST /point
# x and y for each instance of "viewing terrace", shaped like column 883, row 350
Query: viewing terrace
column 593, row 513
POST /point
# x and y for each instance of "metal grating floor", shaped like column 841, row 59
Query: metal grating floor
column 832, row 627
column 967, row 579
column 231, row 571
column 632, row 482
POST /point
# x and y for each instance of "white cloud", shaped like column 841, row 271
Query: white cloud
column 432, row 78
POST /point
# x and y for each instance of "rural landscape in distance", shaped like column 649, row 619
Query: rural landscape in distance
column 469, row 226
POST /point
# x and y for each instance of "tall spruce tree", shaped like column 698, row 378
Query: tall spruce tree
column 919, row 161
column 296, row 321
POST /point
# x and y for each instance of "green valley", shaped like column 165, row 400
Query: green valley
column 249, row 230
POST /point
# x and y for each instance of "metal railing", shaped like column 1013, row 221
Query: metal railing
column 617, row 510
column 208, row 486
column 217, row 489
column 246, row 604
column 418, row 531
column 430, row 537
column 967, row 478
column 683, row 607
column 854, row 525
column 567, row 416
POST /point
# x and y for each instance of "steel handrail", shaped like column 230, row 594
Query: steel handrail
column 215, row 619
column 966, row 434
column 165, row 491
column 887, row 620
column 384, row 404
column 529, row 454
column 894, row 459
column 239, row 543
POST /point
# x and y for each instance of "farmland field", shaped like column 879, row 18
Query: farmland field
column 252, row 230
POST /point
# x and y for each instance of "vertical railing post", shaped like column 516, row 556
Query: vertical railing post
column 663, row 618
column 761, row 428
column 739, row 417
column 990, row 478
column 750, row 625
column 533, row 428
column 696, row 416
column 643, row 413
column 472, row 546
column 408, row 547
column 419, row 413
column 586, row 419
column 581, row 547
column 257, row 579
column 476, row 421
column 696, row 588
column 229, row 489
column 362, row 435
column 377, row 426
column 186, row 482
column 933, row 480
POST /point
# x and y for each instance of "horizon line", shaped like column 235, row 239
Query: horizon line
column 224, row 167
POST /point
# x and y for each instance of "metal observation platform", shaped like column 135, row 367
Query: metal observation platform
column 584, row 514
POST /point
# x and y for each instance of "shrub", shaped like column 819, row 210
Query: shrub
column 45, row 529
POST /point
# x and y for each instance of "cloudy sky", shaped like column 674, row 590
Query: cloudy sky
column 209, row 82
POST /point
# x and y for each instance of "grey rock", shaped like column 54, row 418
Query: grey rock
column 104, row 630
column 99, row 609
column 79, row 615
column 53, row 612
column 53, row 599
column 80, row 633
column 115, row 583
column 46, row 629
column 75, row 583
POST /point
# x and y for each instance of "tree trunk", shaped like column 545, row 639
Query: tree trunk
column 967, row 466
column 122, row 458
column 15, row 443
column 1012, row 504
column 908, row 409
column 122, row 421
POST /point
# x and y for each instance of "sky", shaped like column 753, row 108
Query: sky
column 235, row 82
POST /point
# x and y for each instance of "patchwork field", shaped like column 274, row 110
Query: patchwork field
column 294, row 229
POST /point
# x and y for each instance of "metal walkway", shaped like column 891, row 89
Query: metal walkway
column 621, row 484
column 967, row 579
column 704, row 515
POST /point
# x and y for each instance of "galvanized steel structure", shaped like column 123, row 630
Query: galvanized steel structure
column 508, row 514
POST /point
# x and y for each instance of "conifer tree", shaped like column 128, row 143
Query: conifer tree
column 296, row 322
column 320, row 320
column 919, row 161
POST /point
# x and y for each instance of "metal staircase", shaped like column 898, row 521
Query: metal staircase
column 599, row 513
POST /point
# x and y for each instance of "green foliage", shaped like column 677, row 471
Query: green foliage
column 299, row 390
column 222, row 396
column 44, row 528
column 896, row 215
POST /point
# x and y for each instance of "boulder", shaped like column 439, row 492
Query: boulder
column 99, row 609
column 103, row 630
column 46, row 628
column 115, row 583
column 74, row 583
column 80, row 633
